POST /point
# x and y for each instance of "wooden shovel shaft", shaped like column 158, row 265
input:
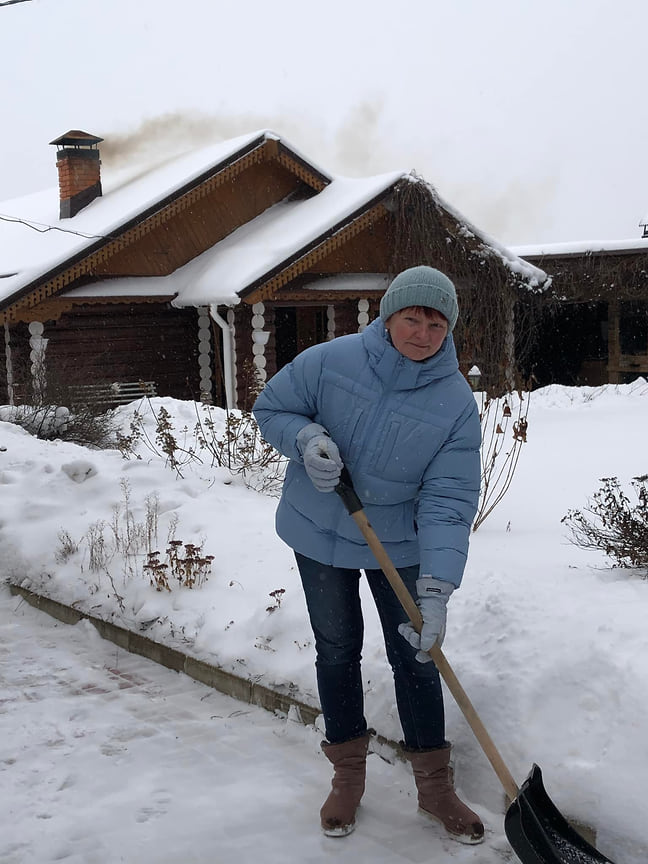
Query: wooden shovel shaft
column 452, row 682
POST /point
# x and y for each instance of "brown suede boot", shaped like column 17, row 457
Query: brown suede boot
column 349, row 759
column 437, row 798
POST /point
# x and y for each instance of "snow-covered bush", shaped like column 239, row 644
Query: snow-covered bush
column 612, row 523
column 88, row 426
column 43, row 421
column 227, row 439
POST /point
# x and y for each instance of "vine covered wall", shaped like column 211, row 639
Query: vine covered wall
column 496, row 309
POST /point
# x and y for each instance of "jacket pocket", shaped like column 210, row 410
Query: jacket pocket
column 393, row 524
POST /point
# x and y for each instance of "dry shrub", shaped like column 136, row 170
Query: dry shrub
column 614, row 524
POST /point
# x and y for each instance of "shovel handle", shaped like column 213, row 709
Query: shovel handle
column 354, row 506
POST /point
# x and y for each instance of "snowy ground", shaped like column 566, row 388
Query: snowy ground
column 106, row 757
column 550, row 643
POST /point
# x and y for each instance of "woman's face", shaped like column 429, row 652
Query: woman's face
column 417, row 333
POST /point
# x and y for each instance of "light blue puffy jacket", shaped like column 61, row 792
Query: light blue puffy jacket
column 408, row 432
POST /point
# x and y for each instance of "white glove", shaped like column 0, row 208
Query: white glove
column 321, row 457
column 433, row 600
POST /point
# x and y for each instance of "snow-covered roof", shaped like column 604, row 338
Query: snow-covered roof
column 35, row 241
column 128, row 286
column 580, row 247
column 252, row 250
column 256, row 248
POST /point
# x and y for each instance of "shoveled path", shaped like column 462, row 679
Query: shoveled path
column 107, row 757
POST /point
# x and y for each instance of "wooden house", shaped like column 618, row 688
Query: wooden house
column 593, row 325
column 200, row 277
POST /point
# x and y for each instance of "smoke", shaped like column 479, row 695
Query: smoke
column 518, row 213
column 353, row 149
column 360, row 145
column 168, row 135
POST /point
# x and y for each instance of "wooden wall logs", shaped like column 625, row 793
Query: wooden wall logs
column 119, row 342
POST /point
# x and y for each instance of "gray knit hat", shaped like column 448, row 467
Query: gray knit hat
column 421, row 286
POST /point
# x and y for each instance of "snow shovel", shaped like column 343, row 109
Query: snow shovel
column 534, row 827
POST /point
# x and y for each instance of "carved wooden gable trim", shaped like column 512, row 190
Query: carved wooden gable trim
column 310, row 257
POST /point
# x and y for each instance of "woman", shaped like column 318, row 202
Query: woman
column 391, row 405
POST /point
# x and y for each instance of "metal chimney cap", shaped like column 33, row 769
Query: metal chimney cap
column 76, row 138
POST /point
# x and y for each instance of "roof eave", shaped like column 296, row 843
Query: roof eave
column 591, row 253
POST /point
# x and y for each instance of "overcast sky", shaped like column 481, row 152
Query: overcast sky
column 529, row 116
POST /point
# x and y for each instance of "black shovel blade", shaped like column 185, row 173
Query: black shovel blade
column 540, row 834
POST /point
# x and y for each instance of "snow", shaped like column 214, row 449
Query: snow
column 549, row 641
column 581, row 247
column 127, row 761
column 356, row 282
column 131, row 286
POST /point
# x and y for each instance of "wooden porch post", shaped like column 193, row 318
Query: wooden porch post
column 8, row 364
column 260, row 337
column 330, row 322
column 363, row 314
column 38, row 345
column 614, row 343
column 204, row 355
column 509, row 349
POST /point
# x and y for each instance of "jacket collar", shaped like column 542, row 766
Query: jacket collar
column 405, row 374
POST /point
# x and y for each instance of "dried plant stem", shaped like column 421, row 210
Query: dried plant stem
column 499, row 465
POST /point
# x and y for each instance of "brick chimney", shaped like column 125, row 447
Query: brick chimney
column 79, row 171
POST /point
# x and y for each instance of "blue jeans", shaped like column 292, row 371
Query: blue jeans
column 333, row 601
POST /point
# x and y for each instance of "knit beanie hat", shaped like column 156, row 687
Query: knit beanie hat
column 421, row 286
